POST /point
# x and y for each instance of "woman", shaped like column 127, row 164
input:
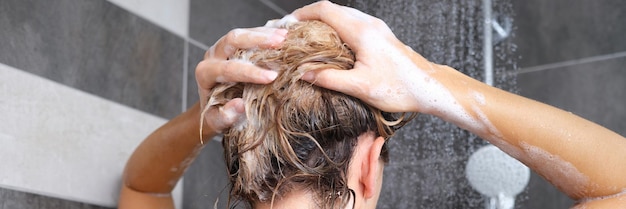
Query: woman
column 563, row 148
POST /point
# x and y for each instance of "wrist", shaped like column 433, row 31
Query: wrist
column 456, row 98
column 203, row 132
column 430, row 89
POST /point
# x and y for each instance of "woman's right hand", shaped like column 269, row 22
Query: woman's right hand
column 387, row 74
column 579, row 157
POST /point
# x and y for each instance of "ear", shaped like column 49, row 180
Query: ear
column 371, row 168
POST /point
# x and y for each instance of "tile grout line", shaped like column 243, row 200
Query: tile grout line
column 571, row 62
column 185, row 76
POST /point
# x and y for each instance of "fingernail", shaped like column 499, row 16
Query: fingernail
column 308, row 76
column 271, row 75
column 240, row 106
column 230, row 114
column 277, row 40
column 281, row 32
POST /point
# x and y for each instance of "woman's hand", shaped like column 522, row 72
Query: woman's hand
column 217, row 68
column 386, row 73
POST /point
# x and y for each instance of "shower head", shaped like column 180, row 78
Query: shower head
column 495, row 174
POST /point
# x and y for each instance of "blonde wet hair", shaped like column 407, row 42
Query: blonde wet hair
column 295, row 135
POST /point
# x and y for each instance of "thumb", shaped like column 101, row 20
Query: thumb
column 233, row 112
column 345, row 81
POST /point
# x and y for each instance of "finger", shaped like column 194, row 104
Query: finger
column 325, row 11
column 235, row 107
column 232, row 113
column 262, row 37
column 345, row 81
column 212, row 71
column 337, row 17
column 283, row 22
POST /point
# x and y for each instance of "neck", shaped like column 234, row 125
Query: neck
column 295, row 199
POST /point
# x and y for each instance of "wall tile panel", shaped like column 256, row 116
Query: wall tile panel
column 96, row 47
column 562, row 30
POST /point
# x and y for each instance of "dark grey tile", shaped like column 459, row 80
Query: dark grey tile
column 10, row 199
column 290, row 5
column 211, row 19
column 561, row 30
column 195, row 55
column 594, row 91
column 206, row 181
column 543, row 195
column 96, row 47
column 432, row 183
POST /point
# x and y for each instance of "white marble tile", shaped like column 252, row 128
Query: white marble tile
column 172, row 15
column 61, row 142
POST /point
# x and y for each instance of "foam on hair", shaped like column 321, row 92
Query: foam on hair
column 297, row 135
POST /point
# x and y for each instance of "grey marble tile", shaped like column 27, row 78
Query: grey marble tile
column 10, row 199
column 561, row 30
column 96, row 47
column 211, row 19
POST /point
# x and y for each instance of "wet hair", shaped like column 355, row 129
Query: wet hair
column 298, row 136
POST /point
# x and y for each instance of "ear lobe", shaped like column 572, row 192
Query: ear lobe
column 373, row 166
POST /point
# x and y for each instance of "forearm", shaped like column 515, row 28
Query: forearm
column 579, row 157
column 160, row 160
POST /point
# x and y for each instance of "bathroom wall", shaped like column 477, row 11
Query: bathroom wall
column 82, row 82
column 573, row 56
column 77, row 75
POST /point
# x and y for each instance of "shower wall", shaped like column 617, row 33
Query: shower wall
column 572, row 55
column 77, row 75
column 82, row 82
